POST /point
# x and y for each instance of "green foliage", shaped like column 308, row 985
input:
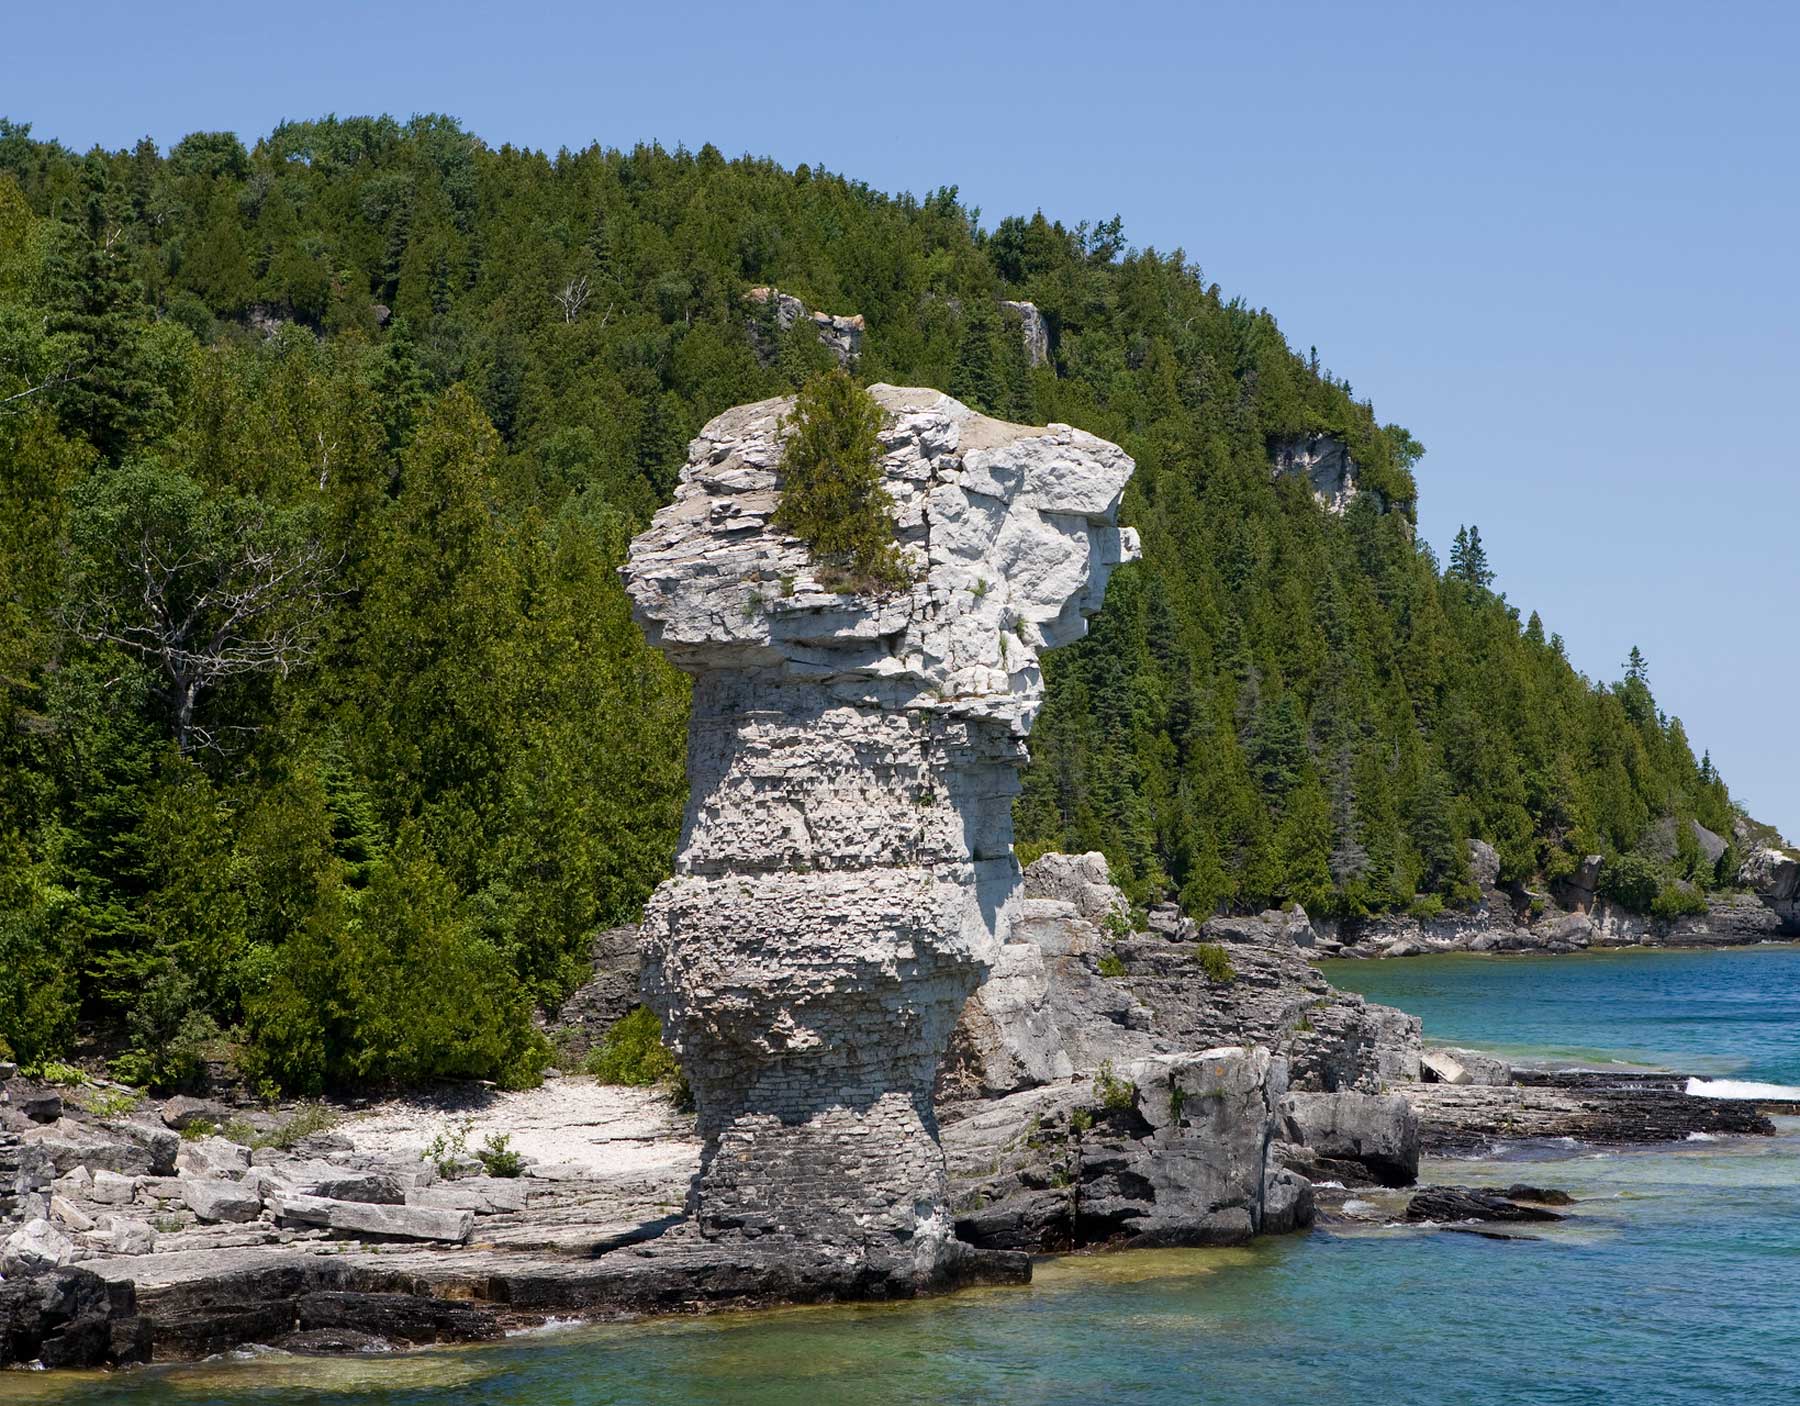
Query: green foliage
column 1631, row 880
column 633, row 1053
column 1112, row 966
column 832, row 496
column 497, row 1157
column 1678, row 901
column 307, row 1120
column 1113, row 1092
column 1215, row 961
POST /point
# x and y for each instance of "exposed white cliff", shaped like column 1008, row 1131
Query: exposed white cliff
column 1324, row 463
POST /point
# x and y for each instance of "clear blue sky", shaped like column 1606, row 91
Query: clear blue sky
column 1555, row 240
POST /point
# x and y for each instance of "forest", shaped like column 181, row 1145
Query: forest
column 327, row 741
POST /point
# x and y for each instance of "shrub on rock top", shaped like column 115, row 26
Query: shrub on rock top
column 832, row 496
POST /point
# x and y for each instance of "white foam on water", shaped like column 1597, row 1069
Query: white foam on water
column 1741, row 1088
column 1328, row 1185
column 1701, row 1137
column 549, row 1325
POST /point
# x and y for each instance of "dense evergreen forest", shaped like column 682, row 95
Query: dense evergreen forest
column 327, row 741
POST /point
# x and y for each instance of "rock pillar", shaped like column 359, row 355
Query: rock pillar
column 846, row 861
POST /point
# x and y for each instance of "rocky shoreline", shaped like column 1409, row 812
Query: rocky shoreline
column 1575, row 916
column 1193, row 1085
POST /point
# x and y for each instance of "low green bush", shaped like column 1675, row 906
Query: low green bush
column 497, row 1157
column 633, row 1053
column 1215, row 961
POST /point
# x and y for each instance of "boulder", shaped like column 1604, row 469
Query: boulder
column 1484, row 864
column 126, row 1146
column 1376, row 1132
column 67, row 1318
column 1171, row 1149
column 364, row 1219
column 131, row 1237
column 1577, row 891
column 581, row 1022
column 213, row 1200
column 66, row 1212
column 39, row 1104
column 212, row 1157
column 1441, row 1067
column 182, row 1113
column 331, row 1183
column 483, row 1195
column 36, row 1245
column 112, row 1188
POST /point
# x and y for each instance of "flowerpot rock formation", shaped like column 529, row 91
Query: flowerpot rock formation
column 845, row 865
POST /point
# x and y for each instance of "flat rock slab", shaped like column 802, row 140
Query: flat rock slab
column 215, row 1199
column 1462, row 1119
column 364, row 1218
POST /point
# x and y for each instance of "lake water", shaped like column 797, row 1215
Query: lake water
column 1676, row 1281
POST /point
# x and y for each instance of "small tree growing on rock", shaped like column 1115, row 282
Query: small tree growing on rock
column 832, row 496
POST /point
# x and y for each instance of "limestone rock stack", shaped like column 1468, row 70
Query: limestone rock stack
column 845, row 865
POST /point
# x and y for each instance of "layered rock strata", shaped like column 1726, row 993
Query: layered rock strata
column 845, row 861
column 1119, row 1087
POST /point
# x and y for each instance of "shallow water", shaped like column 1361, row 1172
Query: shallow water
column 1676, row 1281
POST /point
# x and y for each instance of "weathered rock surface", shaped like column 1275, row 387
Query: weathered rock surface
column 1033, row 330
column 1171, row 1149
column 63, row 1318
column 1376, row 1135
column 845, row 861
column 839, row 334
column 1046, row 1012
column 581, row 1022
column 215, row 1200
column 1445, row 1204
column 1059, row 1091
column 1323, row 462
column 1588, row 1107
column 379, row 1221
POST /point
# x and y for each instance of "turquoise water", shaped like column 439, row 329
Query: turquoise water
column 1677, row 1281
column 1730, row 1012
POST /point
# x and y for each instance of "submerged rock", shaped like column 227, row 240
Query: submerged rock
column 1446, row 1204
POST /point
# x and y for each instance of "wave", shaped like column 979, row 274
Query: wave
column 1741, row 1088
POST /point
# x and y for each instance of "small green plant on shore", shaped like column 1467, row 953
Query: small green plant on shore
column 200, row 1131
column 1115, row 1093
column 832, row 494
column 1112, row 966
column 449, row 1150
column 633, row 1053
column 64, row 1076
column 107, row 1104
column 1081, row 1120
column 305, row 1121
column 497, row 1157
column 1177, row 1099
column 1215, row 961
column 1117, row 924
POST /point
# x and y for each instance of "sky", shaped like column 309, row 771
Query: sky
column 1555, row 241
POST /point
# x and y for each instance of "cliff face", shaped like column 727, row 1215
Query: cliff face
column 845, row 862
